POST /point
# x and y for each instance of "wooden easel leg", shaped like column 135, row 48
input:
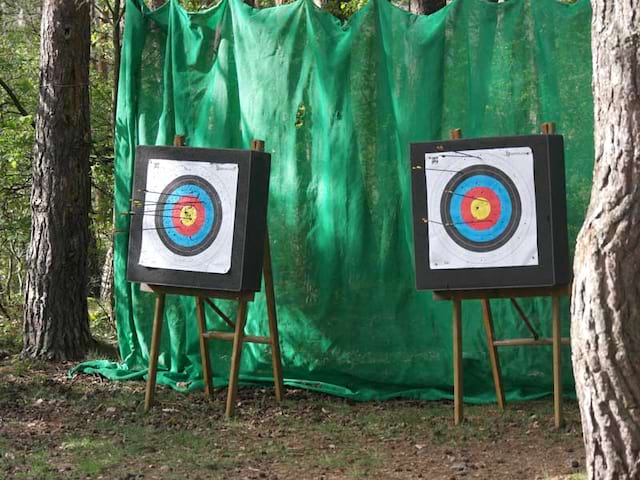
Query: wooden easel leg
column 273, row 319
column 557, row 361
column 204, row 350
column 458, row 392
column 493, row 352
column 153, row 354
column 235, row 357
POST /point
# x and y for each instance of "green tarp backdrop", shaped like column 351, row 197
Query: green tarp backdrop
column 338, row 105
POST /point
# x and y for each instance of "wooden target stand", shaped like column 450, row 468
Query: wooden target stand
column 485, row 296
column 238, row 336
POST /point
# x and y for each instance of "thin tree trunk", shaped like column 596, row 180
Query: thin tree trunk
column 606, row 292
column 55, row 319
column 106, row 283
column 116, row 32
column 7, row 288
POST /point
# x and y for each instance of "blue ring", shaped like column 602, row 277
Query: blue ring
column 185, row 245
column 455, row 209
column 459, row 185
column 175, row 196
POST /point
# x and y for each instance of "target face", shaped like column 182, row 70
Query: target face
column 481, row 208
column 188, row 215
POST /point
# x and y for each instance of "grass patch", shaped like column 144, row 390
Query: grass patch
column 54, row 427
column 28, row 465
column 91, row 455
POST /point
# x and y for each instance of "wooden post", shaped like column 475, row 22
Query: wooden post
column 158, row 318
column 267, row 271
column 548, row 128
column 493, row 353
column 235, row 357
column 458, row 386
column 273, row 319
column 557, row 361
column 179, row 141
column 484, row 295
column 204, row 350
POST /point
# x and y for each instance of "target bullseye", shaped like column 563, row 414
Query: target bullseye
column 480, row 208
column 188, row 215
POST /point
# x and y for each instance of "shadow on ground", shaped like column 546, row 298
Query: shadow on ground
column 54, row 427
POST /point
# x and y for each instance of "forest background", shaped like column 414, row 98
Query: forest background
column 19, row 75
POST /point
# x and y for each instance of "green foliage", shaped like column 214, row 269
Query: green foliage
column 197, row 5
column 342, row 9
column 339, row 8
column 19, row 52
column 19, row 73
column 101, row 74
column 19, row 44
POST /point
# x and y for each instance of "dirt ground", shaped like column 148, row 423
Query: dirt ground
column 53, row 427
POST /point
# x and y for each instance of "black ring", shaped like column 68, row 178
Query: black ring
column 445, row 206
column 217, row 210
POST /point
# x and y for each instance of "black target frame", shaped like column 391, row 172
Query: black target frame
column 551, row 217
column 249, row 225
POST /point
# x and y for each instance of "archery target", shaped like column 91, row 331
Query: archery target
column 189, row 213
column 481, row 208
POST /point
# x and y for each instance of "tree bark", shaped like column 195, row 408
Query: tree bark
column 117, row 15
column 606, row 291
column 106, row 283
column 426, row 7
column 56, row 323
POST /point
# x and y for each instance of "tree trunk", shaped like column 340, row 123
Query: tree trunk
column 605, row 325
column 116, row 33
column 106, row 283
column 426, row 7
column 56, row 323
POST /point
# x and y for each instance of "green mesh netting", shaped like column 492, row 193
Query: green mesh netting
column 338, row 105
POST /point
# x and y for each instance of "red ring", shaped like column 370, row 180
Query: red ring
column 494, row 203
column 181, row 228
